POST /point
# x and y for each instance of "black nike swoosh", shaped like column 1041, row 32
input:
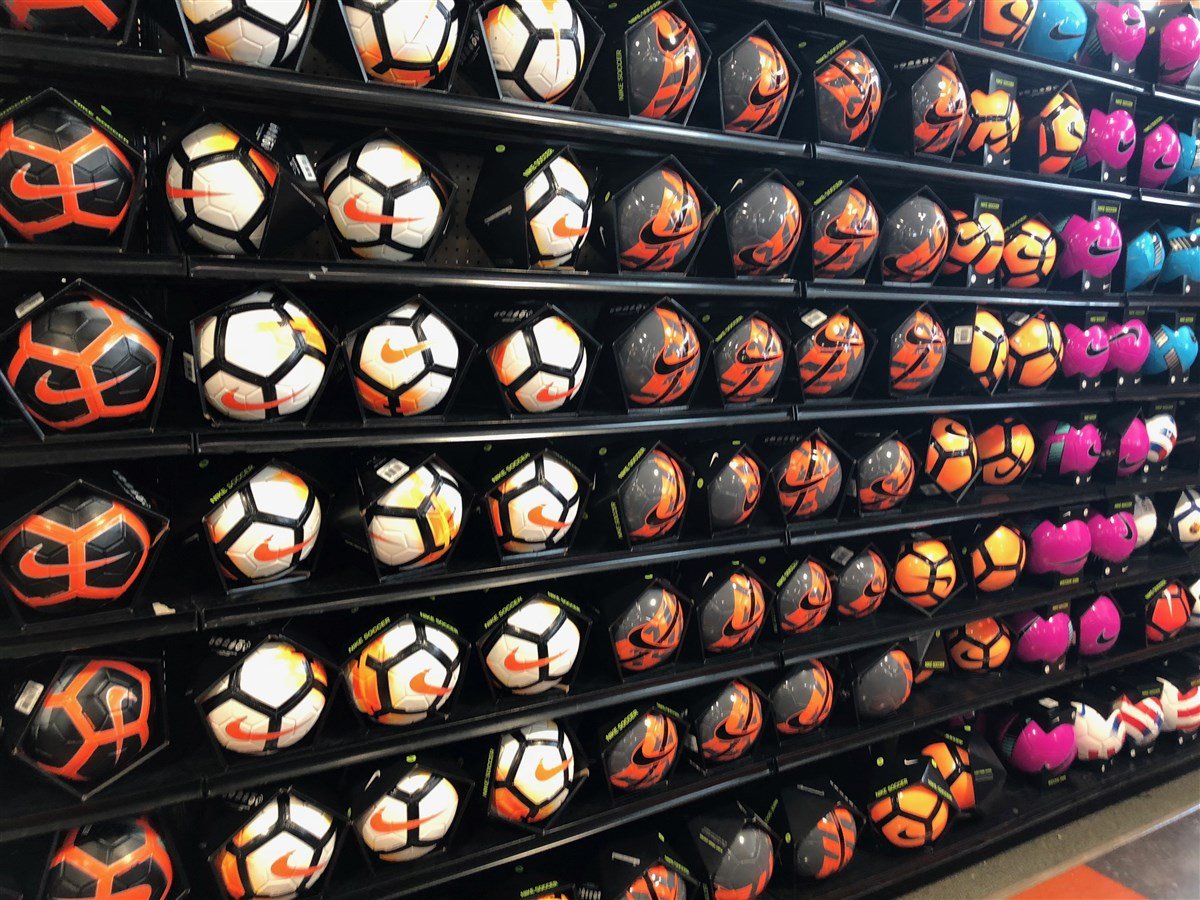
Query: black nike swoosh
column 1124, row 146
column 1158, row 164
column 722, row 731
column 1056, row 33
column 1103, row 639
column 1089, row 350
column 758, row 98
column 1096, row 250
column 933, row 117
column 639, row 757
column 662, row 367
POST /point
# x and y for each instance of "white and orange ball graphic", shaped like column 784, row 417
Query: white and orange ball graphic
column 541, row 365
column 416, row 521
column 406, row 42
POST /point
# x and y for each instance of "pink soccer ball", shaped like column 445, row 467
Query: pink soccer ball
column 1179, row 50
column 1085, row 350
column 1114, row 537
column 1041, row 639
column 1061, row 549
column 1099, row 626
column 1111, row 138
column 1121, row 30
column 1133, row 448
column 1160, row 155
column 1064, row 449
column 1027, row 748
column 1128, row 346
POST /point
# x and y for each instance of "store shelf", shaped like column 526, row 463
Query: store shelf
column 60, row 59
column 69, row 636
column 851, row 293
column 19, row 447
column 69, row 261
column 1176, row 95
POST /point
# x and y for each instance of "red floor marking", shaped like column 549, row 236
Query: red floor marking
column 1080, row 883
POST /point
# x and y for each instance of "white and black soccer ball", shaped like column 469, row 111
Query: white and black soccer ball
column 220, row 189
column 1163, row 434
column 1181, row 706
column 406, row 673
column 260, row 357
column 537, row 48
column 416, row 521
column 533, row 774
column 1143, row 718
column 1145, row 519
column 412, row 819
column 536, row 507
column 266, row 526
column 1097, row 737
column 253, row 32
column 283, row 849
column 385, row 202
column 540, row 365
column 407, row 42
column 272, row 698
column 558, row 210
column 534, row 648
column 1185, row 518
column 405, row 364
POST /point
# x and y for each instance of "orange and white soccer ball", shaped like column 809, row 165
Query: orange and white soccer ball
column 534, row 648
column 537, row 48
column 540, row 365
column 408, row 42
column 533, row 774
column 558, row 208
column 266, row 527
column 406, row 363
column 406, row 673
column 416, row 521
column 252, row 32
column 535, row 508
column 412, row 818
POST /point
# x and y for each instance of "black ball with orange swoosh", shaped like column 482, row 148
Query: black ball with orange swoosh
column 648, row 633
column 116, row 858
column 658, row 882
column 803, row 699
column 85, row 363
column 663, row 66
column 845, row 232
column 643, row 755
column 63, row 180
column 659, row 221
column 750, row 360
column 884, row 476
column 659, row 357
column 831, row 357
column 828, row 846
column 764, row 226
column 939, row 106
column 733, row 492
column 808, row 479
column 732, row 612
column 756, row 83
column 804, row 599
column 862, row 584
column 95, row 719
column 78, row 554
column 653, row 497
column 918, row 353
column 728, row 727
column 916, row 237
column 849, row 95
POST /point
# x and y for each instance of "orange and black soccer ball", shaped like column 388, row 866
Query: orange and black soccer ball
column 808, row 480
column 918, row 353
column 657, row 882
column 1004, row 22
column 732, row 613
column 663, row 65
column 659, row 220
column 939, row 106
column 926, row 573
column 1035, row 349
column 884, row 476
column 117, row 858
column 844, row 235
column 659, row 357
column 953, row 763
column 916, row 237
column 644, row 753
column 734, row 491
column 79, row 18
column 849, row 95
column 764, row 227
column 829, row 845
column 831, row 357
column 985, row 355
column 650, row 630
column 993, row 123
column 978, row 242
column 728, row 727
column 804, row 599
column 913, row 817
column 1167, row 613
column 750, row 361
column 83, row 551
column 802, row 701
column 653, row 497
column 94, row 720
column 1006, row 452
column 998, row 559
column 946, row 15
column 979, row 646
column 85, row 362
column 63, row 180
column 1030, row 252
column 862, row 585
column 756, row 84
column 952, row 457
column 1061, row 130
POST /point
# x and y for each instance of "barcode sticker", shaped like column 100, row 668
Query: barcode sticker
column 29, row 304
column 391, row 471
column 189, row 367
column 305, row 168
column 962, row 334
column 27, row 699
column 842, row 555
column 813, row 318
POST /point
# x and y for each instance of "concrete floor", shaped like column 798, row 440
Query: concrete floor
column 1104, row 839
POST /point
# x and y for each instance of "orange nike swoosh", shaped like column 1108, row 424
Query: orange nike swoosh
column 282, row 868
column 178, row 193
column 515, row 665
column 240, row 732
column 563, row 230
column 538, row 516
column 391, row 356
column 548, row 394
column 55, row 396
column 355, row 212
column 230, row 400
column 23, row 189
column 541, row 773
column 32, row 567
column 382, row 825
column 114, row 697
column 422, row 686
column 264, row 552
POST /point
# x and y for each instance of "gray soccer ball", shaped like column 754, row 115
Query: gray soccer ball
column 747, row 865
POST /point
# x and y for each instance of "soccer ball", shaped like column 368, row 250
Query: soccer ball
column 659, row 357
column 804, row 599
column 271, row 699
column 926, row 574
column 541, row 365
column 912, row 817
column 828, row 847
column 653, row 497
column 1181, row 707
column 643, row 754
column 406, row 673
column 108, row 859
column 884, row 476
column 1061, row 130
column 884, row 686
column 808, row 480
column 802, row 701
column 250, row 32
column 660, row 219
column 655, row 881
column 80, row 18
column 283, row 849
column 1163, row 434
column 979, row 242
column 416, row 521
column 412, row 819
column 406, row 363
column 1097, row 737
column 1145, row 519
column 918, row 352
column 952, row 457
column 732, row 612
column 62, row 179
column 1035, row 351
column 260, row 357
column 750, row 361
column 650, row 630
column 998, row 559
column 266, row 527
column 764, row 227
column 1185, row 519
column 663, row 66
column 979, row 646
column 536, row 48
column 558, row 209
column 534, row 648
column 953, row 763
column 849, row 95
column 385, row 202
column 93, row 721
column 1143, row 719
column 1006, row 451
column 220, row 189
column 403, row 42
column 536, row 507
column 756, row 83
column 746, row 866
column 734, row 491
column 1167, row 613
column 728, row 727
column 862, row 584
column 534, row 772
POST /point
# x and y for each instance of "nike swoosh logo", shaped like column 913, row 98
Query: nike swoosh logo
column 641, row 758
column 383, row 826
column 513, row 664
column 563, row 230
column 549, row 394
column 391, row 355
column 230, row 400
column 541, row 773
column 32, row 567
column 1095, row 249
column 538, row 516
column 662, row 367
column 1057, row 34
column 421, row 685
column 178, row 193
column 114, row 699
column 1158, row 164
column 55, row 396
column 652, row 237
column 758, row 98
column 24, row 189
column 1103, row 639
column 283, row 868
column 239, row 732
column 1090, row 350
column 356, row 212
column 1125, row 146
column 723, row 732
column 793, row 487
column 264, row 552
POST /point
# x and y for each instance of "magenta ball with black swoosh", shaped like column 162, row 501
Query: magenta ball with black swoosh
column 1041, row 639
column 1099, row 626
column 1060, row 549
column 1178, row 50
column 1160, row 155
column 1114, row 537
column 1128, row 346
column 1133, row 448
column 1085, row 350
column 1111, row 138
